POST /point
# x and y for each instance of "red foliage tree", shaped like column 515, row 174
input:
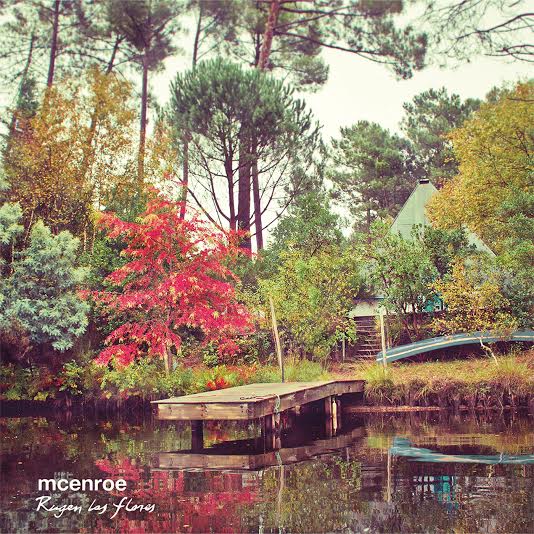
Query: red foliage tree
column 176, row 278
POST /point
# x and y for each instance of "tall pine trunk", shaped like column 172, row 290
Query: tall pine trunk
column 23, row 80
column 268, row 35
column 258, row 225
column 263, row 62
column 53, row 44
column 186, row 137
column 185, row 175
column 198, row 30
column 228, row 168
column 142, row 129
column 243, row 208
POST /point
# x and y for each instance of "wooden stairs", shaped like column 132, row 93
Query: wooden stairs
column 367, row 343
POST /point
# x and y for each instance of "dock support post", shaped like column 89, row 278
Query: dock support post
column 334, row 415
column 268, row 428
column 197, row 435
column 328, row 416
column 277, row 431
column 328, row 407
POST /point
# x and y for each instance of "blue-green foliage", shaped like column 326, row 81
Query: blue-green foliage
column 10, row 215
column 10, row 229
column 40, row 294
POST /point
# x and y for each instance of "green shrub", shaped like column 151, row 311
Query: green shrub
column 178, row 382
column 138, row 379
column 294, row 371
column 14, row 382
column 379, row 384
column 70, row 378
column 255, row 348
column 210, row 356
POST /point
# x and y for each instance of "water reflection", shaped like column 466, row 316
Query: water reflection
column 363, row 478
column 403, row 447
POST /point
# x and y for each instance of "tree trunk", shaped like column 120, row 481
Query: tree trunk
column 197, row 35
column 29, row 59
column 142, row 129
column 228, row 167
column 88, row 153
column 111, row 62
column 266, row 46
column 243, row 208
column 257, row 202
column 53, row 44
column 168, row 361
column 262, row 64
column 185, row 161
column 185, row 176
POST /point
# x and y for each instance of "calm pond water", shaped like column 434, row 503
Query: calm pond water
column 389, row 473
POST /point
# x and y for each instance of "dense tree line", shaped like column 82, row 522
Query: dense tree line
column 135, row 223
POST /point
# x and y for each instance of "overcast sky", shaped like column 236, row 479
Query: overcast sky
column 358, row 89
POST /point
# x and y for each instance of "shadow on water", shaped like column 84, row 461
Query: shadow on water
column 381, row 473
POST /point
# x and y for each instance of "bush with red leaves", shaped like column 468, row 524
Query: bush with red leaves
column 176, row 278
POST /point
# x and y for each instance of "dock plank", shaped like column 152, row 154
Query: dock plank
column 251, row 401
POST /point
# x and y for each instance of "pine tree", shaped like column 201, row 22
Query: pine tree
column 229, row 110
column 10, row 230
column 40, row 296
column 430, row 117
column 149, row 27
column 371, row 171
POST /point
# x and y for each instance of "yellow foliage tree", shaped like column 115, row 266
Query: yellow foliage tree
column 472, row 305
column 312, row 295
column 494, row 150
column 75, row 153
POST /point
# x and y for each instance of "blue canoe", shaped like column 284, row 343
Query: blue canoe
column 435, row 343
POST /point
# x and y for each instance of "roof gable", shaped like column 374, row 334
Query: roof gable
column 414, row 213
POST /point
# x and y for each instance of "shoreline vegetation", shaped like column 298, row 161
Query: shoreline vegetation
column 471, row 384
column 476, row 383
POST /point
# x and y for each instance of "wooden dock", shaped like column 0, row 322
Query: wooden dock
column 252, row 401
column 264, row 402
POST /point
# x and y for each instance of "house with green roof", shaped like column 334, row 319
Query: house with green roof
column 365, row 311
column 412, row 214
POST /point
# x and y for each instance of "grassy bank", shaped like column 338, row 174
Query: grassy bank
column 474, row 383
column 145, row 380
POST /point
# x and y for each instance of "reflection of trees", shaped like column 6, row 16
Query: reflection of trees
column 341, row 491
column 195, row 501
column 492, row 498
column 507, row 434
column 476, row 498
column 316, row 496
